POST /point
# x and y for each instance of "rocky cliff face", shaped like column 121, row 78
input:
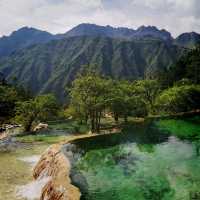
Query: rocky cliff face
column 55, row 165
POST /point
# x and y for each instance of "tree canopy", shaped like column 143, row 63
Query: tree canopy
column 179, row 99
column 39, row 108
column 92, row 96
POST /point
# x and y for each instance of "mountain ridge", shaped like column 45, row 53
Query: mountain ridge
column 188, row 39
column 27, row 36
column 120, row 32
column 22, row 38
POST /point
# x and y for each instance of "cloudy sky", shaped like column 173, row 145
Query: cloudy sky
column 58, row 16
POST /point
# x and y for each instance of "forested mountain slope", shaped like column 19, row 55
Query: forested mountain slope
column 50, row 67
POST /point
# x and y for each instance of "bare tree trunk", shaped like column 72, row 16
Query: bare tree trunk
column 116, row 117
column 28, row 125
column 125, row 118
column 99, row 122
column 86, row 118
column 92, row 119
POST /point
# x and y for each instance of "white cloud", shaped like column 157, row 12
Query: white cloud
column 57, row 16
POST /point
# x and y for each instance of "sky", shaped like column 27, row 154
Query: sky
column 58, row 16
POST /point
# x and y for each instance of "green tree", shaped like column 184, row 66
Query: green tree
column 187, row 67
column 123, row 100
column 179, row 99
column 147, row 91
column 8, row 99
column 89, row 98
column 41, row 107
column 9, row 96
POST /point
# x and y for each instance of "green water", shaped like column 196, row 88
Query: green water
column 144, row 163
column 156, row 161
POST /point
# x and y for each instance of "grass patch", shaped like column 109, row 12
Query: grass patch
column 69, row 126
column 57, row 131
column 49, row 139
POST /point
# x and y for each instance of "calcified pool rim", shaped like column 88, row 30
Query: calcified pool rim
column 55, row 165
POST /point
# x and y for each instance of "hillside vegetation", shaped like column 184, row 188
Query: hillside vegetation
column 51, row 67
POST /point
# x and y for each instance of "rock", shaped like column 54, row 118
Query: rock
column 53, row 163
column 40, row 126
column 11, row 126
column 79, row 180
column 3, row 135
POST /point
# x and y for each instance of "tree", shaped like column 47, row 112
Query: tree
column 179, row 99
column 8, row 99
column 121, row 99
column 187, row 67
column 40, row 108
column 147, row 91
column 193, row 65
column 89, row 98
column 9, row 96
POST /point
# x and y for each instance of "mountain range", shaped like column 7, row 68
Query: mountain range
column 44, row 62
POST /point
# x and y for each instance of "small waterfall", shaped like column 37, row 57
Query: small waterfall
column 31, row 160
column 32, row 190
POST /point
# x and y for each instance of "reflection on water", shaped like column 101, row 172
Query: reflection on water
column 142, row 164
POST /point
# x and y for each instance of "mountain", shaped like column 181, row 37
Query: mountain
column 44, row 63
column 152, row 31
column 26, row 36
column 51, row 66
column 109, row 31
column 22, row 38
column 188, row 39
